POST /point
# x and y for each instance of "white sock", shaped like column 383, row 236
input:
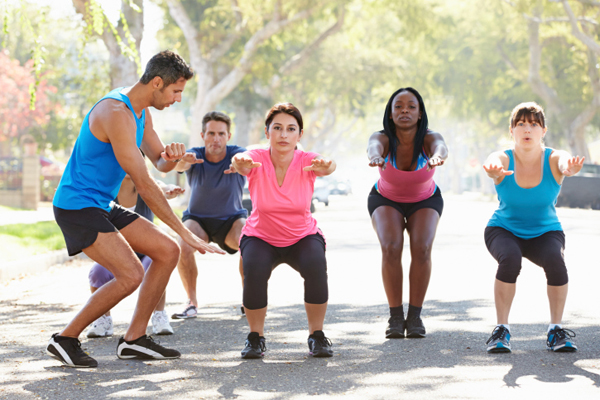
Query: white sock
column 552, row 326
column 507, row 326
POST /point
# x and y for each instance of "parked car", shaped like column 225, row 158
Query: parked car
column 340, row 187
column 321, row 192
column 581, row 190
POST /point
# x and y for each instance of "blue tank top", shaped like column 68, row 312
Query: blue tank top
column 93, row 176
column 213, row 193
column 527, row 213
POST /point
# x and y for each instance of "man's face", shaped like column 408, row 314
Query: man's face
column 165, row 96
column 215, row 137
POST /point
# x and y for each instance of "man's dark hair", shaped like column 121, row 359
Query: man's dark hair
column 284, row 108
column 216, row 116
column 389, row 128
column 170, row 67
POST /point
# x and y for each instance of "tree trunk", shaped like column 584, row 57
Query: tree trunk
column 123, row 70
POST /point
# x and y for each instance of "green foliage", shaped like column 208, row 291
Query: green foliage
column 19, row 239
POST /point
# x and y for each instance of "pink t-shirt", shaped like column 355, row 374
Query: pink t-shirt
column 281, row 215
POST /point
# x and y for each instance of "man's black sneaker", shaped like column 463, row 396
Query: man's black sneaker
column 415, row 328
column 255, row 346
column 396, row 327
column 319, row 345
column 144, row 348
column 68, row 351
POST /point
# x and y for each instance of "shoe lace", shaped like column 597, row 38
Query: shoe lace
column 559, row 334
column 256, row 342
column 161, row 318
column 323, row 341
column 499, row 332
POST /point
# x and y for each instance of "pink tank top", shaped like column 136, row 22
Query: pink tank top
column 406, row 186
column 281, row 215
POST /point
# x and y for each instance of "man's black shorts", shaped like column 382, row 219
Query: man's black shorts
column 216, row 229
column 81, row 227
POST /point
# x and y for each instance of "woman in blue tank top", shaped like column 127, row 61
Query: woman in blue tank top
column 528, row 179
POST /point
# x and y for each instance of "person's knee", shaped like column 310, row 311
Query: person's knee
column 185, row 249
column 556, row 273
column 421, row 252
column 391, row 250
column 131, row 280
column 509, row 268
column 167, row 252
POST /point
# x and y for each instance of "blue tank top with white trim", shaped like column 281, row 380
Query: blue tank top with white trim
column 527, row 213
column 93, row 176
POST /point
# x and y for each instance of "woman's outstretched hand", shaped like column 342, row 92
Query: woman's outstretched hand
column 318, row 164
column 574, row 165
column 377, row 161
column 496, row 171
column 433, row 162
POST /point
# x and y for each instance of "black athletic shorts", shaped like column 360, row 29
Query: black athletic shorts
column 81, row 227
column 435, row 201
column 216, row 229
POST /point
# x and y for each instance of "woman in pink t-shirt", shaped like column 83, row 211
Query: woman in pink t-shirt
column 406, row 198
column 281, row 228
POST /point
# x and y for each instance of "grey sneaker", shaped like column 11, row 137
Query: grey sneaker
column 189, row 312
column 255, row 346
column 415, row 328
column 559, row 340
column 499, row 342
column 395, row 328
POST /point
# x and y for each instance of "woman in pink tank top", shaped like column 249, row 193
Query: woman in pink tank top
column 281, row 228
column 406, row 198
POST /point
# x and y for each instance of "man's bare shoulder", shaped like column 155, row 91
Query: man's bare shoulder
column 110, row 115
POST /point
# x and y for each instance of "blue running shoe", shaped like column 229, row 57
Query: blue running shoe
column 559, row 340
column 499, row 342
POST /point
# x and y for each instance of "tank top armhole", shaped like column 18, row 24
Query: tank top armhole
column 547, row 167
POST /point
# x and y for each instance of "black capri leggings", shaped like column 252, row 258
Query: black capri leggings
column 306, row 256
column 546, row 250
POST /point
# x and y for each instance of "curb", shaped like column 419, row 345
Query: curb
column 34, row 264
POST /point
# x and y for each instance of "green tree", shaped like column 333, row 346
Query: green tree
column 223, row 37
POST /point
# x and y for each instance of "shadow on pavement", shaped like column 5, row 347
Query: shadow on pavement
column 211, row 365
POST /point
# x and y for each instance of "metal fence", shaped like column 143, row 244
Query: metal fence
column 11, row 173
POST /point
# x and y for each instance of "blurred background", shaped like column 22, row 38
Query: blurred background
column 337, row 60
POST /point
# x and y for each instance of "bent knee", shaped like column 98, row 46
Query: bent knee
column 391, row 250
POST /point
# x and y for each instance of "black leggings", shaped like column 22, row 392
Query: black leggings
column 546, row 250
column 306, row 256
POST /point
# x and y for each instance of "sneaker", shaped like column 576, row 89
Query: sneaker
column 415, row 328
column 319, row 345
column 68, row 351
column 255, row 346
column 144, row 348
column 499, row 342
column 160, row 323
column 189, row 312
column 101, row 327
column 396, row 327
column 559, row 340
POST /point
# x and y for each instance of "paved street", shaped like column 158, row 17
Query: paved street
column 450, row 363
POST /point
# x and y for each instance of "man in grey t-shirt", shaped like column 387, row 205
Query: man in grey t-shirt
column 215, row 212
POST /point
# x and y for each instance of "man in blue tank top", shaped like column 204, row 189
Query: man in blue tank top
column 106, row 149
column 215, row 212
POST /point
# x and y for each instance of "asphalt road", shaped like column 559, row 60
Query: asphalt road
column 450, row 363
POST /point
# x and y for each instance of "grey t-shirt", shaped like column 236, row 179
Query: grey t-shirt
column 215, row 194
